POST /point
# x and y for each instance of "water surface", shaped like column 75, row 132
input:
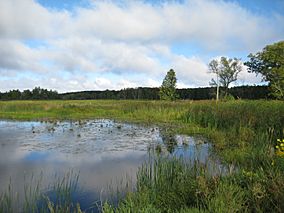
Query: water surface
column 103, row 152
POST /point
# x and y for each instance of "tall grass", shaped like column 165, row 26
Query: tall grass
column 57, row 198
column 173, row 185
column 257, row 115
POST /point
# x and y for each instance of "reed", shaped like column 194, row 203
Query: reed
column 56, row 198
column 175, row 185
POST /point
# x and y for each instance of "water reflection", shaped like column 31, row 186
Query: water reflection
column 105, row 152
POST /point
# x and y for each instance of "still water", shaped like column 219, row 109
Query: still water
column 104, row 153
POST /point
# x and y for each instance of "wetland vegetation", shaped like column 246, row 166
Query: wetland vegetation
column 243, row 134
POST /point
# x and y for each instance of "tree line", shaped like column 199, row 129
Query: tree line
column 140, row 93
column 35, row 94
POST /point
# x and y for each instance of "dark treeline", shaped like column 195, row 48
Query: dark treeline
column 147, row 93
column 141, row 93
column 129, row 93
column 240, row 92
column 36, row 94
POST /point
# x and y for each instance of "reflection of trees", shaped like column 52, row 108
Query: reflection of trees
column 168, row 137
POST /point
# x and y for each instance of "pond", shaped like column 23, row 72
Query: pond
column 104, row 153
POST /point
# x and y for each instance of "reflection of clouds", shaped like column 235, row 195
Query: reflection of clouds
column 95, row 177
column 192, row 148
column 106, row 153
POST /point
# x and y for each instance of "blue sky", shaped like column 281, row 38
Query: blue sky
column 73, row 45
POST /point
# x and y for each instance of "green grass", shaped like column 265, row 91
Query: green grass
column 243, row 133
column 176, row 186
column 172, row 185
column 140, row 111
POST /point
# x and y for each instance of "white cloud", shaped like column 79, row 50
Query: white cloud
column 153, row 83
column 246, row 78
column 26, row 19
column 191, row 71
column 17, row 56
column 214, row 24
column 132, row 40
column 103, row 83
column 108, row 20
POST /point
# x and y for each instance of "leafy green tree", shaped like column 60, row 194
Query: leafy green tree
column 270, row 64
column 26, row 95
column 226, row 70
column 168, row 88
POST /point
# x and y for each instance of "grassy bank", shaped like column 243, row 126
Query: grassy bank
column 143, row 111
column 243, row 133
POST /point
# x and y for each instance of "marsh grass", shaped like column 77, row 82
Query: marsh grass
column 175, row 185
column 56, row 198
column 140, row 111
column 6, row 199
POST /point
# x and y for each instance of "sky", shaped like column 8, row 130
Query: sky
column 79, row 45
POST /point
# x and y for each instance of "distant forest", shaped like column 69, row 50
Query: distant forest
column 140, row 93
